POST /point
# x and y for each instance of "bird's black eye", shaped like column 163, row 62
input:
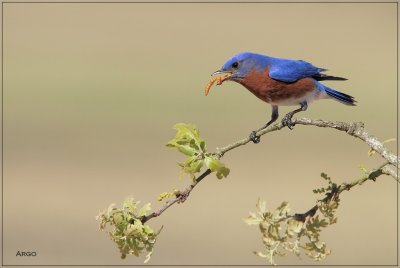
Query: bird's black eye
column 235, row 65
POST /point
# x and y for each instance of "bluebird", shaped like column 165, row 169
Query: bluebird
column 281, row 82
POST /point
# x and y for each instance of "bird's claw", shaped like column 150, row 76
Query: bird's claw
column 254, row 138
column 287, row 121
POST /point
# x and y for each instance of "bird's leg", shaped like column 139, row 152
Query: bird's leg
column 253, row 135
column 287, row 120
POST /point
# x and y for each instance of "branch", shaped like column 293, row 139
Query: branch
column 337, row 190
column 389, row 171
column 355, row 129
column 180, row 197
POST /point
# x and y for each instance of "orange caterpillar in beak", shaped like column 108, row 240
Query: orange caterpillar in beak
column 218, row 79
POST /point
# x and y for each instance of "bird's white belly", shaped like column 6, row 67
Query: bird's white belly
column 316, row 94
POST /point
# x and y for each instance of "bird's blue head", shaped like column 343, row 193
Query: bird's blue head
column 242, row 64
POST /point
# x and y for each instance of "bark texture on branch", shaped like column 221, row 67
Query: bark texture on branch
column 355, row 129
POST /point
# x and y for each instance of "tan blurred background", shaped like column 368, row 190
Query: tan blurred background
column 91, row 92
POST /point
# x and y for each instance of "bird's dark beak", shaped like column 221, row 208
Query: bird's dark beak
column 221, row 72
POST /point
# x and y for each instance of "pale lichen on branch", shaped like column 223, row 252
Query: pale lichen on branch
column 355, row 129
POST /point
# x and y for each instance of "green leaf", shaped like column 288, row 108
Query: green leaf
column 110, row 209
column 362, row 168
column 187, row 139
column 165, row 195
column 130, row 235
column 325, row 176
column 262, row 206
column 191, row 165
column 129, row 204
column 195, row 166
column 147, row 229
column 282, row 211
column 294, row 227
column 217, row 166
column 252, row 219
column 186, row 149
column 144, row 210
column 118, row 218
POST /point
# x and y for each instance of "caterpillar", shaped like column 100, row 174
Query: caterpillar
column 218, row 79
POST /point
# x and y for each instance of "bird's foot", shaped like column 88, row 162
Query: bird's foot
column 253, row 137
column 287, row 121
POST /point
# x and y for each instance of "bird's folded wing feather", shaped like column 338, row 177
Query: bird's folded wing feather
column 292, row 70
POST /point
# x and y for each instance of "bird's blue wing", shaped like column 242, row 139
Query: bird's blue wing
column 292, row 70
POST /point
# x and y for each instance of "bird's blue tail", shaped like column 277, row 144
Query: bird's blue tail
column 339, row 96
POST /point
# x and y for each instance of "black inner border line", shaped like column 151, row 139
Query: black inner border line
column 187, row 2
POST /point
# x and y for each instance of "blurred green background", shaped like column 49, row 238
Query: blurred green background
column 91, row 92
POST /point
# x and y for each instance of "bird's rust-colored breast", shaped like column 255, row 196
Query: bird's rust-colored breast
column 274, row 91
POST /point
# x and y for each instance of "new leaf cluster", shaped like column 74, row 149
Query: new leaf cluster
column 188, row 141
column 127, row 230
column 281, row 233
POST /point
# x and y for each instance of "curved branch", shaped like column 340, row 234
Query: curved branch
column 355, row 129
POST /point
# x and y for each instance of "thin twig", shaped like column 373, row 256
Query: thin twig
column 180, row 197
column 336, row 191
